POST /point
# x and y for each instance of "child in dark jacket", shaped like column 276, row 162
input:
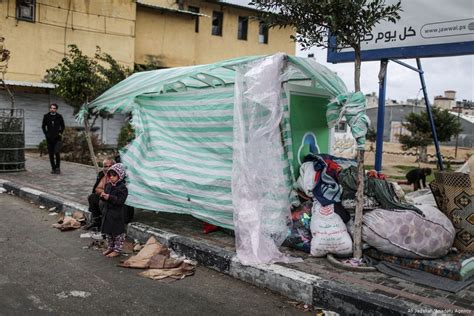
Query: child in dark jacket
column 112, row 202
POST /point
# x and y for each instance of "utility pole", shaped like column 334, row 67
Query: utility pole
column 457, row 135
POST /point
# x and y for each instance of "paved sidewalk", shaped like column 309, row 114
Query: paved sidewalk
column 313, row 281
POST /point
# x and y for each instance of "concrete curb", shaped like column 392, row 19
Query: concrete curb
column 305, row 287
column 308, row 288
column 43, row 198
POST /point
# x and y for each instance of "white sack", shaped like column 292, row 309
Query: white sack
column 329, row 232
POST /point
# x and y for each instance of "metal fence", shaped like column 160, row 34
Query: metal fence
column 12, row 140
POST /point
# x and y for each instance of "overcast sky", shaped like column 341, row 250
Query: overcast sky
column 441, row 73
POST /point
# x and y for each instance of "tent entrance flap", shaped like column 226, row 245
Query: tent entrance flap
column 309, row 128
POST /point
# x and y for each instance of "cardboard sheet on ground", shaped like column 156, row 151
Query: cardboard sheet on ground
column 66, row 223
column 156, row 258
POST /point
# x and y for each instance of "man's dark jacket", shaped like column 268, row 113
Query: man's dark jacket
column 53, row 126
column 100, row 175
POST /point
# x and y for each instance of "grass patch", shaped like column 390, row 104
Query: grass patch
column 397, row 177
column 369, row 167
column 430, row 178
column 404, row 167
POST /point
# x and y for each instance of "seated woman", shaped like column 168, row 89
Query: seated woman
column 94, row 197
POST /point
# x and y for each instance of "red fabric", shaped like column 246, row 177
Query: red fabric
column 376, row 175
column 209, row 228
column 333, row 168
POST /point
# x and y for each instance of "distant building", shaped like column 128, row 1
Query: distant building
column 465, row 107
column 372, row 100
column 446, row 102
column 395, row 116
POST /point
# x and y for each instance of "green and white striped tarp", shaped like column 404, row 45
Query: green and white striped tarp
column 181, row 160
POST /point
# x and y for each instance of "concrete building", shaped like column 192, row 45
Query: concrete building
column 170, row 33
column 446, row 102
column 395, row 117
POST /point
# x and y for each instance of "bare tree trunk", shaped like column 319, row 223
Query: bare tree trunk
column 89, row 143
column 357, row 65
column 360, row 172
column 10, row 94
column 423, row 154
column 359, row 205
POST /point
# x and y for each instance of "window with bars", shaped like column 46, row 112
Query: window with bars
column 196, row 21
column 25, row 10
column 242, row 29
column 217, row 20
column 262, row 33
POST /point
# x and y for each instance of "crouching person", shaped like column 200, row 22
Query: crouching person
column 111, row 204
column 94, row 197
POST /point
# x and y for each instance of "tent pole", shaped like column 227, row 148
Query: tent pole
column 381, row 114
column 430, row 115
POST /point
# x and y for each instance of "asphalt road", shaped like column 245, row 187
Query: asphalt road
column 47, row 272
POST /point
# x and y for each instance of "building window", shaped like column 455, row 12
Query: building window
column 25, row 10
column 243, row 28
column 262, row 33
column 196, row 21
column 217, row 19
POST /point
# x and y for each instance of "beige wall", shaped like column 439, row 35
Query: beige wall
column 444, row 103
column 38, row 46
column 128, row 32
column 170, row 37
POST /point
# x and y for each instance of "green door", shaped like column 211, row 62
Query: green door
column 308, row 121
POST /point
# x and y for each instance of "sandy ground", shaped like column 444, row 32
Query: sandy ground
column 389, row 161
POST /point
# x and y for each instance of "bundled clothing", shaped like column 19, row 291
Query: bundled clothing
column 379, row 189
column 113, row 224
column 326, row 189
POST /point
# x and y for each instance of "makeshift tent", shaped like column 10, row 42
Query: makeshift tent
column 223, row 142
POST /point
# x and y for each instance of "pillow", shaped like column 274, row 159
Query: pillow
column 406, row 233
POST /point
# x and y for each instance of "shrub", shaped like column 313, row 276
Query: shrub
column 75, row 147
column 43, row 147
column 126, row 135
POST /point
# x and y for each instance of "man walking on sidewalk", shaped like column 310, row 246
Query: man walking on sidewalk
column 53, row 128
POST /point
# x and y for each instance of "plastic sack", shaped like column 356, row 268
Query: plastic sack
column 408, row 234
column 423, row 196
column 299, row 236
column 305, row 181
column 329, row 232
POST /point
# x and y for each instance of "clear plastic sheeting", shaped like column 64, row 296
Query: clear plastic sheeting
column 259, row 191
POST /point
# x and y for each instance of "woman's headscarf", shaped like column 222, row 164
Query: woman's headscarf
column 119, row 169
